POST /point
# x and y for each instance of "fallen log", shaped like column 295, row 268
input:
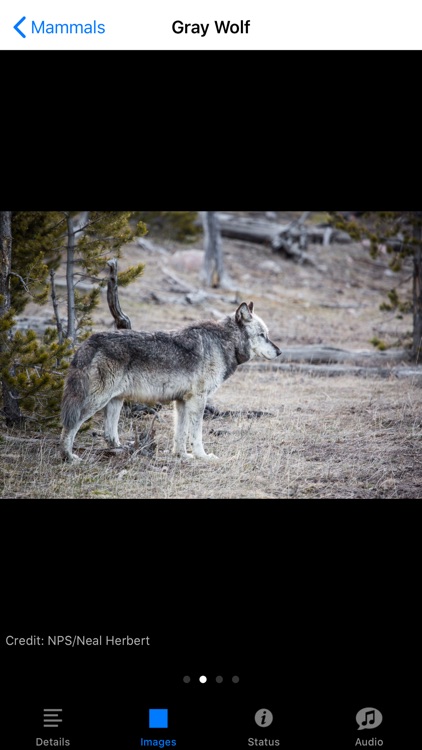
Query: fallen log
column 277, row 235
column 251, row 230
column 337, row 370
column 318, row 354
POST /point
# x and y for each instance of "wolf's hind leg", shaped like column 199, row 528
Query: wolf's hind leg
column 73, row 424
column 181, row 427
column 66, row 442
column 111, row 421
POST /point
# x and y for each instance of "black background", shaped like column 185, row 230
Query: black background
column 312, row 605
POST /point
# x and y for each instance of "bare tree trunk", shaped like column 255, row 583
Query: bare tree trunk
column 56, row 307
column 212, row 270
column 417, row 289
column 6, row 259
column 71, row 314
column 121, row 320
column 10, row 401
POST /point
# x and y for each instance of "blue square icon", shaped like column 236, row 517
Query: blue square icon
column 158, row 718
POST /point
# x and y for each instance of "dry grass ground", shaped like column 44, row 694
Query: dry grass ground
column 338, row 437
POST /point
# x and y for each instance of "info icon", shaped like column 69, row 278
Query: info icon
column 368, row 718
column 263, row 718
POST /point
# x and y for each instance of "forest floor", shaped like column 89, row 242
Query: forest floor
column 290, row 433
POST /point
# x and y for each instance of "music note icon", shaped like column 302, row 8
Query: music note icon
column 368, row 721
column 368, row 718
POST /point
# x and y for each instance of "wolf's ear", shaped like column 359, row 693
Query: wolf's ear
column 243, row 313
column 251, row 306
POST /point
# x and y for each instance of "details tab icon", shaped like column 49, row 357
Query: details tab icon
column 51, row 717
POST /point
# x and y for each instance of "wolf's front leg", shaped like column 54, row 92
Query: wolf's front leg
column 195, row 407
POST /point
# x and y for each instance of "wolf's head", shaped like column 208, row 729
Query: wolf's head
column 256, row 331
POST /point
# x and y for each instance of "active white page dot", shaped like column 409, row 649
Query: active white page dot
column 202, row 679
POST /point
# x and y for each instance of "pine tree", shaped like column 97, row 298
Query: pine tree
column 33, row 244
column 9, row 395
column 401, row 233
column 36, row 239
column 34, row 370
column 183, row 226
column 91, row 239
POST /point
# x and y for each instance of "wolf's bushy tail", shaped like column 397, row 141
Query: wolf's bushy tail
column 75, row 393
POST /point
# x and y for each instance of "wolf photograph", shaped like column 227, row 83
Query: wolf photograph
column 210, row 355
column 184, row 366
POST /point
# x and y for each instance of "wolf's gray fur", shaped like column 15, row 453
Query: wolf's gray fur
column 184, row 366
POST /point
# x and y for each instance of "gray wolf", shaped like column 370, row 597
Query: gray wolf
column 185, row 366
